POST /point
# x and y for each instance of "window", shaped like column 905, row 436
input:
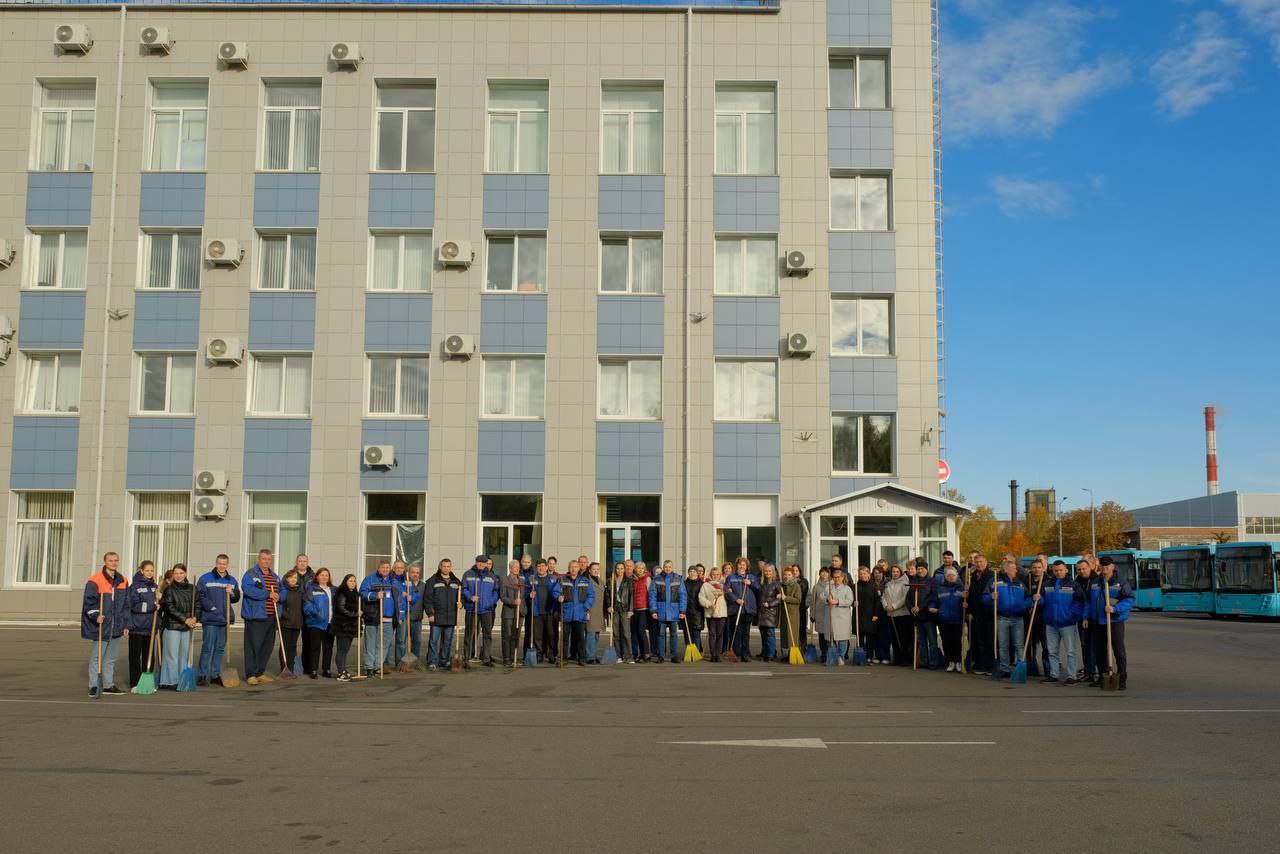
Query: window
column 1262, row 525
column 631, row 129
column 746, row 525
column 862, row 444
column 52, row 383
column 179, row 125
column 172, row 260
column 43, row 541
column 280, row 385
column 276, row 521
column 406, row 129
column 394, row 529
column 861, row 326
column 860, row 202
column 513, row 386
column 746, row 266
column 933, row 539
column 397, row 385
column 630, row 388
column 401, row 261
column 631, row 265
column 746, row 390
column 510, row 527
column 746, row 128
column 629, row 528
column 859, row 82
column 167, row 383
column 161, row 525
column 518, row 127
column 60, row 260
column 288, row 261
column 64, row 141
column 516, row 263
column 291, row 127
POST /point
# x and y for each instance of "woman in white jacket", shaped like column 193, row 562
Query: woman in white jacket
column 894, row 598
column 818, row 595
column 839, row 623
column 711, row 597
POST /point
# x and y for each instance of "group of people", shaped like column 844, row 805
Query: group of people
column 964, row 619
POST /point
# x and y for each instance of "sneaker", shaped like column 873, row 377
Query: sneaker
column 111, row 689
column 217, row 680
column 488, row 662
column 252, row 680
column 344, row 676
column 265, row 678
column 93, row 692
column 326, row 675
column 1069, row 681
column 314, row 675
column 1049, row 679
column 203, row 680
column 431, row 668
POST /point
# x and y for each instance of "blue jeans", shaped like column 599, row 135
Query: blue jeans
column 377, row 654
column 213, row 642
column 593, row 642
column 1069, row 638
column 928, row 633
column 842, row 649
column 176, row 645
column 440, row 645
column 415, row 638
column 402, row 640
column 1010, row 633
column 110, row 649
column 668, row 647
column 768, row 646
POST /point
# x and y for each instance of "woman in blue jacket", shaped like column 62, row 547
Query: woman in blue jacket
column 950, row 595
column 317, row 614
column 142, row 611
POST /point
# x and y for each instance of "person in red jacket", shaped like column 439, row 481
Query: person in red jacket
column 640, row 582
column 104, row 619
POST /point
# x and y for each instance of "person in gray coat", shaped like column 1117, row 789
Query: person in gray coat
column 769, row 613
column 839, row 614
column 620, row 609
column 595, row 617
column 509, row 593
column 818, row 607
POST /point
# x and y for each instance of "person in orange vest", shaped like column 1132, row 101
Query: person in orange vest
column 104, row 619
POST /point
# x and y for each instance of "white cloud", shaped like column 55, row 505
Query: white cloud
column 1024, row 72
column 1022, row 197
column 1204, row 64
column 1263, row 16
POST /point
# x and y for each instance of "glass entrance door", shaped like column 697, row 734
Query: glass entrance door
column 896, row 551
column 630, row 542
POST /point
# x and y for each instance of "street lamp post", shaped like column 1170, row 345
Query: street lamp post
column 1057, row 512
column 1093, row 519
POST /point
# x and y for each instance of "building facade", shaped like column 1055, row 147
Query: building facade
column 434, row 280
column 1226, row 517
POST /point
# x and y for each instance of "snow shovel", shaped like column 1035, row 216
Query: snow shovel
column 407, row 663
column 455, row 663
column 691, row 653
column 859, row 657
column 229, row 675
column 1019, row 675
column 147, row 679
column 187, row 678
column 1111, row 679
column 286, row 673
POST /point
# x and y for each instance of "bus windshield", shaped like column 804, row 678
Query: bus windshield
column 1126, row 569
column 1149, row 573
column 1187, row 573
column 1247, row 570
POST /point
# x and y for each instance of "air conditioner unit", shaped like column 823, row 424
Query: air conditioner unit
column 223, row 253
column 456, row 253
column 798, row 344
column 345, row 54
column 73, row 38
column 234, row 53
column 379, row 456
column 7, row 253
column 211, row 480
column 6, row 328
column 459, row 346
column 797, row 262
column 156, row 38
column 211, row 506
column 225, row 350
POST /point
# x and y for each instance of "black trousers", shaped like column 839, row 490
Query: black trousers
column 1099, row 636
column 867, row 641
column 577, row 639
column 716, row 639
column 510, row 638
column 317, row 650
column 951, row 645
column 742, row 638
column 640, row 633
column 484, row 633
column 655, row 631
column 137, row 656
column 903, row 654
column 980, row 643
column 343, row 644
column 259, row 641
column 544, row 638
column 290, row 638
column 1088, row 661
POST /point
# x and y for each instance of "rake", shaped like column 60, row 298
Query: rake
column 729, row 654
column 455, row 663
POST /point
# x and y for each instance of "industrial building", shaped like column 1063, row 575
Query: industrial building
column 431, row 279
column 1219, row 518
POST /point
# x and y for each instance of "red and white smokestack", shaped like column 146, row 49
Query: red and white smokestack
column 1211, row 448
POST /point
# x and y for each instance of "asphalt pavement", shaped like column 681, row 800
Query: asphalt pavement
column 745, row 757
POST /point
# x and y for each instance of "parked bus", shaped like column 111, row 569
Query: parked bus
column 1245, row 580
column 1187, row 573
column 1142, row 570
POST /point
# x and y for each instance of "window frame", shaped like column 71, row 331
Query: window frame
column 37, row 121
column 401, row 233
column 250, row 520
column 515, row 237
column 635, row 85
column 15, row 540
column 255, row 358
column 139, row 358
column 27, row 387
column 742, row 240
column 264, row 85
column 263, row 234
column 512, row 359
column 846, row 175
column 509, row 526
column 859, row 299
column 146, row 237
column 530, row 83
column 742, row 360
column 152, row 110
column 162, row 561
column 35, row 237
column 858, row 443
column 628, row 361
column 394, row 524
column 858, row 55
column 745, row 85
column 404, row 83
column 630, row 237
column 399, row 386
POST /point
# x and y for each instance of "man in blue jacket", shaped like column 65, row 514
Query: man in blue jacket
column 479, row 601
column 1009, row 600
column 213, row 590
column 1105, row 583
column 1063, row 604
column 104, row 619
column 543, row 591
column 379, row 592
column 923, row 602
column 263, row 594
column 668, row 601
column 577, row 596
column 740, row 591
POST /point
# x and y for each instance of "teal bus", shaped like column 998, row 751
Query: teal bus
column 1187, row 585
column 1142, row 570
column 1245, row 580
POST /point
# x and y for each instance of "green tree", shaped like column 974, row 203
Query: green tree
column 1110, row 525
column 981, row 533
column 1040, row 532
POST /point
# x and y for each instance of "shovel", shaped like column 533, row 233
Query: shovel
column 286, row 673
column 859, row 656
column 1111, row 679
column 407, row 663
column 147, row 679
column 187, row 678
column 1019, row 675
column 455, row 664
column 359, row 677
column 229, row 675
column 530, row 654
column 691, row 653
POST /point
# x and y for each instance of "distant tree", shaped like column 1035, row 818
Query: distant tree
column 1040, row 532
column 1112, row 521
column 981, row 533
column 1019, row 545
column 952, row 494
column 1223, row 536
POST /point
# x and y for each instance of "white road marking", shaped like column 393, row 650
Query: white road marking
column 800, row 712
column 725, row 672
column 446, row 711
column 930, row 743
column 1152, row 711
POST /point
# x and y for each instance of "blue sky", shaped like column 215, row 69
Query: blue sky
column 1112, row 183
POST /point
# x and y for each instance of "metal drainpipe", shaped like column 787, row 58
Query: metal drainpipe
column 106, row 317
column 684, row 444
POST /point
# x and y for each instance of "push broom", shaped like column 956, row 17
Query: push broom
column 187, row 678
column 794, row 656
column 859, row 656
column 1111, row 680
column 229, row 675
column 1019, row 675
column 147, row 679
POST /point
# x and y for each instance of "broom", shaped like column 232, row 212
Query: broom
column 729, row 654
column 187, row 678
column 1019, row 675
column 229, row 675
column 915, row 634
column 995, row 629
column 833, row 649
column 359, row 677
column 406, row 664
column 1111, row 680
column 794, row 656
column 530, row 654
column 859, row 657
column 286, row 673
column 455, row 663
column 691, row 653
column 147, row 679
